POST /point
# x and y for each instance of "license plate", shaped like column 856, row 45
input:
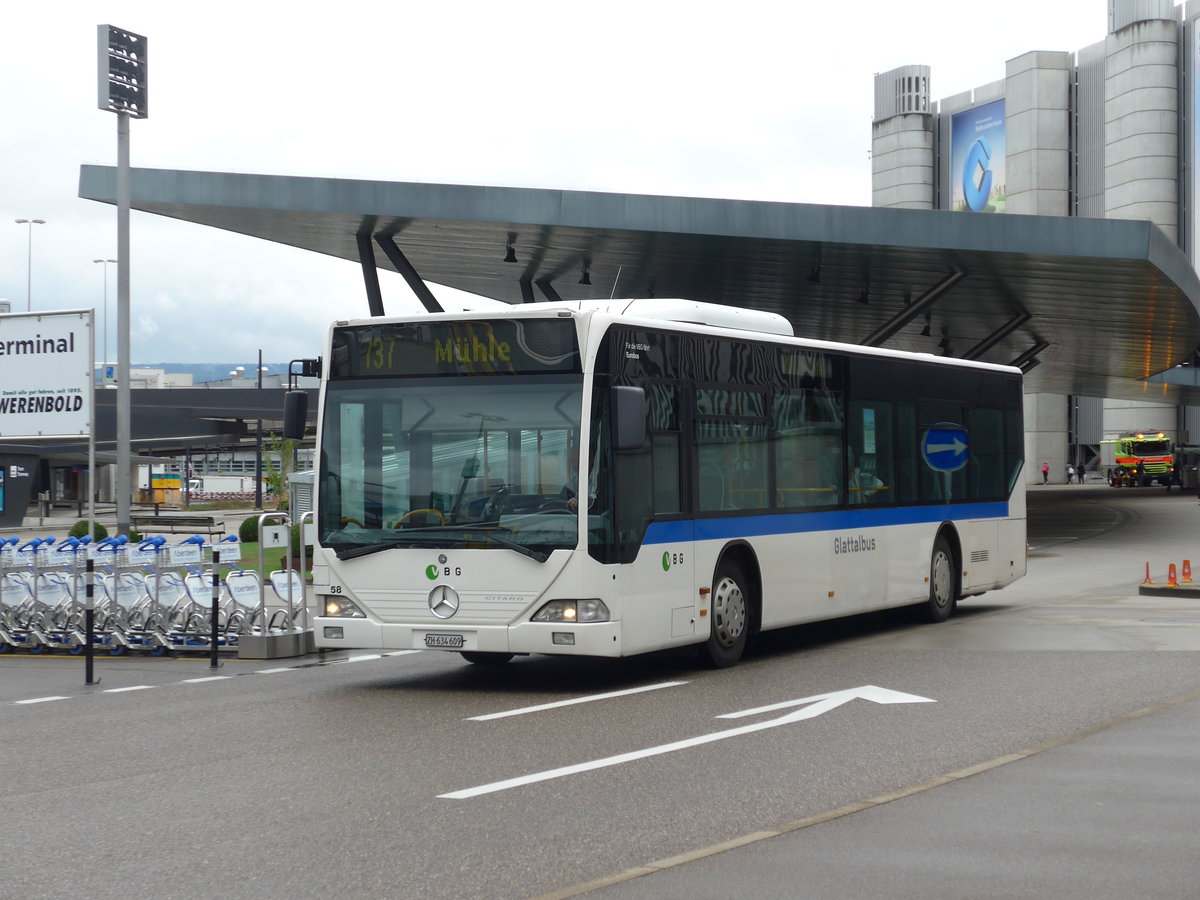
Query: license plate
column 444, row 640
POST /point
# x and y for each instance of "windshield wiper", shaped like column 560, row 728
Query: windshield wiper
column 489, row 533
column 363, row 550
column 409, row 536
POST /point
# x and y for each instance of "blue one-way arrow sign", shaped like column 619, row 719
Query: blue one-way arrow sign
column 945, row 447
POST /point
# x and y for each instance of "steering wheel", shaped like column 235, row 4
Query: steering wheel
column 417, row 512
column 346, row 520
column 554, row 504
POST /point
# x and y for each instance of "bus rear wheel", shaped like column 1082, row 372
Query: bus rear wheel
column 729, row 618
column 943, row 583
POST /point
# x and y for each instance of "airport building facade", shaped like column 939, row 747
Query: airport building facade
column 1108, row 131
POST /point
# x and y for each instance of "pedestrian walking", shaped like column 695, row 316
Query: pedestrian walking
column 1070, row 473
column 1045, row 473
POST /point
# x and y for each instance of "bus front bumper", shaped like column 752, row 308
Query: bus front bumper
column 591, row 639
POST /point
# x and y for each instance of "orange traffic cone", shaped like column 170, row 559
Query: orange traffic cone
column 1171, row 582
column 1148, row 579
column 1187, row 572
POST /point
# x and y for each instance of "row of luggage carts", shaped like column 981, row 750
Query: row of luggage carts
column 150, row 597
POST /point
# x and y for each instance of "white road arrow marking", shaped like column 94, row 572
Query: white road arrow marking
column 821, row 703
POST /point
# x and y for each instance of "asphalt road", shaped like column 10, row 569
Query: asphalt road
column 1043, row 742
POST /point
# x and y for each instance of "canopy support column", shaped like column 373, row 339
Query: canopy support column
column 405, row 268
column 366, row 257
column 914, row 309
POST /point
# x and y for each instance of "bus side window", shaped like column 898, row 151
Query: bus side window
column 870, row 466
column 986, row 434
column 908, row 451
column 662, row 411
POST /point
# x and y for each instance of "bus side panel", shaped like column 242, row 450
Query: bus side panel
column 993, row 553
column 978, row 563
column 797, row 580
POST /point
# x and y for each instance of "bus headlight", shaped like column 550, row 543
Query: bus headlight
column 592, row 610
column 340, row 606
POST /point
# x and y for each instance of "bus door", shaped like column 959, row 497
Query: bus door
column 657, row 593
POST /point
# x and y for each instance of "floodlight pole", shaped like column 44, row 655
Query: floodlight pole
column 124, row 456
column 122, row 89
column 258, row 457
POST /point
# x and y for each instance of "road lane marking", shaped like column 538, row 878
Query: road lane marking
column 560, row 703
column 577, row 890
column 823, row 703
column 146, row 687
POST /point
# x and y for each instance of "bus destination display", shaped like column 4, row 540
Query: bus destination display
column 508, row 347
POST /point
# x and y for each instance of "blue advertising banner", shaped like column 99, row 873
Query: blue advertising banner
column 977, row 164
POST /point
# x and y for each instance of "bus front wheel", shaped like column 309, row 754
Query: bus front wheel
column 943, row 582
column 729, row 617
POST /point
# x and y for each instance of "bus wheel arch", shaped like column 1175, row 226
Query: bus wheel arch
column 945, row 575
column 735, row 606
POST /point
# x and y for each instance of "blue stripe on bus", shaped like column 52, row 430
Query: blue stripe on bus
column 834, row 520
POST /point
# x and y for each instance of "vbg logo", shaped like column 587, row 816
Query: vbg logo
column 977, row 177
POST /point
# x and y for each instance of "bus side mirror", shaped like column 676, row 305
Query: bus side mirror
column 628, row 418
column 295, row 414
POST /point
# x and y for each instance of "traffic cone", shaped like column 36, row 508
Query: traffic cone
column 1171, row 582
column 1187, row 572
column 1148, row 579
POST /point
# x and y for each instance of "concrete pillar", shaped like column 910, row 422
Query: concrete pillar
column 1141, row 124
column 902, row 140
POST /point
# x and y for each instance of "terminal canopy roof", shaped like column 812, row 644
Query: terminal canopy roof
column 1085, row 306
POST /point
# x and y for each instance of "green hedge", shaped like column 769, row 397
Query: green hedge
column 80, row 528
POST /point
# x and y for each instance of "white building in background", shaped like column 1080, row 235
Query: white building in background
column 1108, row 131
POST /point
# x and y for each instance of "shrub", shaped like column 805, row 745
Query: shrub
column 248, row 530
column 80, row 528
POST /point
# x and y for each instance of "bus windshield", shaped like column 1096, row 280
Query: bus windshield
column 443, row 463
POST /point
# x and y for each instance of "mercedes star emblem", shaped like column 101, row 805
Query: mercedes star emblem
column 443, row 601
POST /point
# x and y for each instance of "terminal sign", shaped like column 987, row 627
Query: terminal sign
column 944, row 447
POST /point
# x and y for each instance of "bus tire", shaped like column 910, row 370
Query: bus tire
column 943, row 582
column 729, row 617
column 486, row 659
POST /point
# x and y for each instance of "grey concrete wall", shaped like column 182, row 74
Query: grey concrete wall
column 1131, row 416
column 1088, row 183
column 1037, row 123
column 1045, row 437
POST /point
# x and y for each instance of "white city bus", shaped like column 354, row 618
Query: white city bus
column 734, row 479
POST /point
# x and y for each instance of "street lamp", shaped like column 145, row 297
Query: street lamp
column 104, row 359
column 29, row 261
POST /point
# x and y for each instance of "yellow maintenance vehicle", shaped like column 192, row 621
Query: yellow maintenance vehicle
column 1143, row 459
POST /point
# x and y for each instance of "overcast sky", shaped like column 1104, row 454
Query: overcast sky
column 748, row 100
